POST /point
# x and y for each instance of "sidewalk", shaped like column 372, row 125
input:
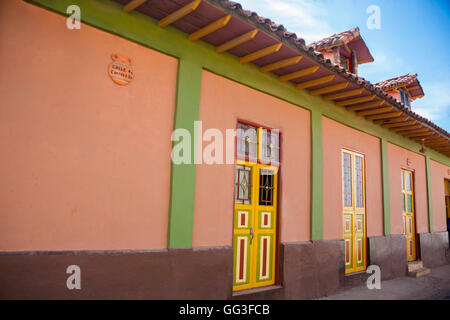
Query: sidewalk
column 436, row 285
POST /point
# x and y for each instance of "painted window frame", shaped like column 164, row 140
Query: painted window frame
column 405, row 97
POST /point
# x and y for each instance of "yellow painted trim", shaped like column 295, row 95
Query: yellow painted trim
column 214, row 26
column 374, row 111
column 316, row 82
column 261, row 53
column 384, row 116
column 133, row 4
column 298, row 74
column 329, row 89
column 344, row 94
column 178, row 14
column 237, row 41
column 366, row 105
column 356, row 100
column 281, row 64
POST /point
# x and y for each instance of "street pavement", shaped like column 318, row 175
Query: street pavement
column 434, row 286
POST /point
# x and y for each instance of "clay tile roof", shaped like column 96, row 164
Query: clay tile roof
column 336, row 39
column 407, row 80
column 352, row 38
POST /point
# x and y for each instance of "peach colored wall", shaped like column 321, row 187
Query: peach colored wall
column 401, row 158
column 222, row 103
column 337, row 136
column 439, row 173
column 85, row 162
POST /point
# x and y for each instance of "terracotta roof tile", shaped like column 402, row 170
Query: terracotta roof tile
column 336, row 39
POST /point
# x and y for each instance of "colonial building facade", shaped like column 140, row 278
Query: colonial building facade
column 329, row 173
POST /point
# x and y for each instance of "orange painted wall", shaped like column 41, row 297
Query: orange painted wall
column 85, row 163
column 439, row 173
column 398, row 158
column 222, row 103
column 337, row 136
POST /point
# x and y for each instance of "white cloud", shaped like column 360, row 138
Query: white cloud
column 304, row 17
column 435, row 105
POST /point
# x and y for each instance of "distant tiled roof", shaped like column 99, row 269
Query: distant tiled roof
column 407, row 80
column 336, row 39
column 352, row 38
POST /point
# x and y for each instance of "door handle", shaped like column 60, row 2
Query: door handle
column 251, row 235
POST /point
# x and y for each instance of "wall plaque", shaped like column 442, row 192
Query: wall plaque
column 120, row 70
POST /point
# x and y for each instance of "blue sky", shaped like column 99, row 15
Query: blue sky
column 414, row 38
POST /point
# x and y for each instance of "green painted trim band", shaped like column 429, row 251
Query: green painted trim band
column 182, row 176
column 429, row 195
column 316, row 176
column 386, row 188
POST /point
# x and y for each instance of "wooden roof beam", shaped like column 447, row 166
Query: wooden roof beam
column 419, row 135
column 345, row 94
column 133, row 4
column 298, row 74
column 366, row 106
column 393, row 120
column 329, row 89
column 384, row 116
column 399, row 124
column 261, row 53
column 316, row 82
column 414, row 130
column 374, row 111
column 178, row 14
column 237, row 41
column 214, row 26
column 356, row 100
column 281, row 64
column 417, row 126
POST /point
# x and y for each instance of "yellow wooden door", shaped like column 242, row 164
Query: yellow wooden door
column 409, row 227
column 255, row 219
column 354, row 208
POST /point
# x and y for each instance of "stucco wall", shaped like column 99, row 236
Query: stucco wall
column 439, row 173
column 337, row 136
column 401, row 158
column 222, row 103
column 85, row 162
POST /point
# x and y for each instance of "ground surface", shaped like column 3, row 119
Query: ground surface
column 436, row 286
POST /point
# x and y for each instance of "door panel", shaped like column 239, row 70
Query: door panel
column 409, row 227
column 353, row 197
column 254, row 225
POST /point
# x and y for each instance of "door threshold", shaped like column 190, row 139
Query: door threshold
column 355, row 273
column 256, row 290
